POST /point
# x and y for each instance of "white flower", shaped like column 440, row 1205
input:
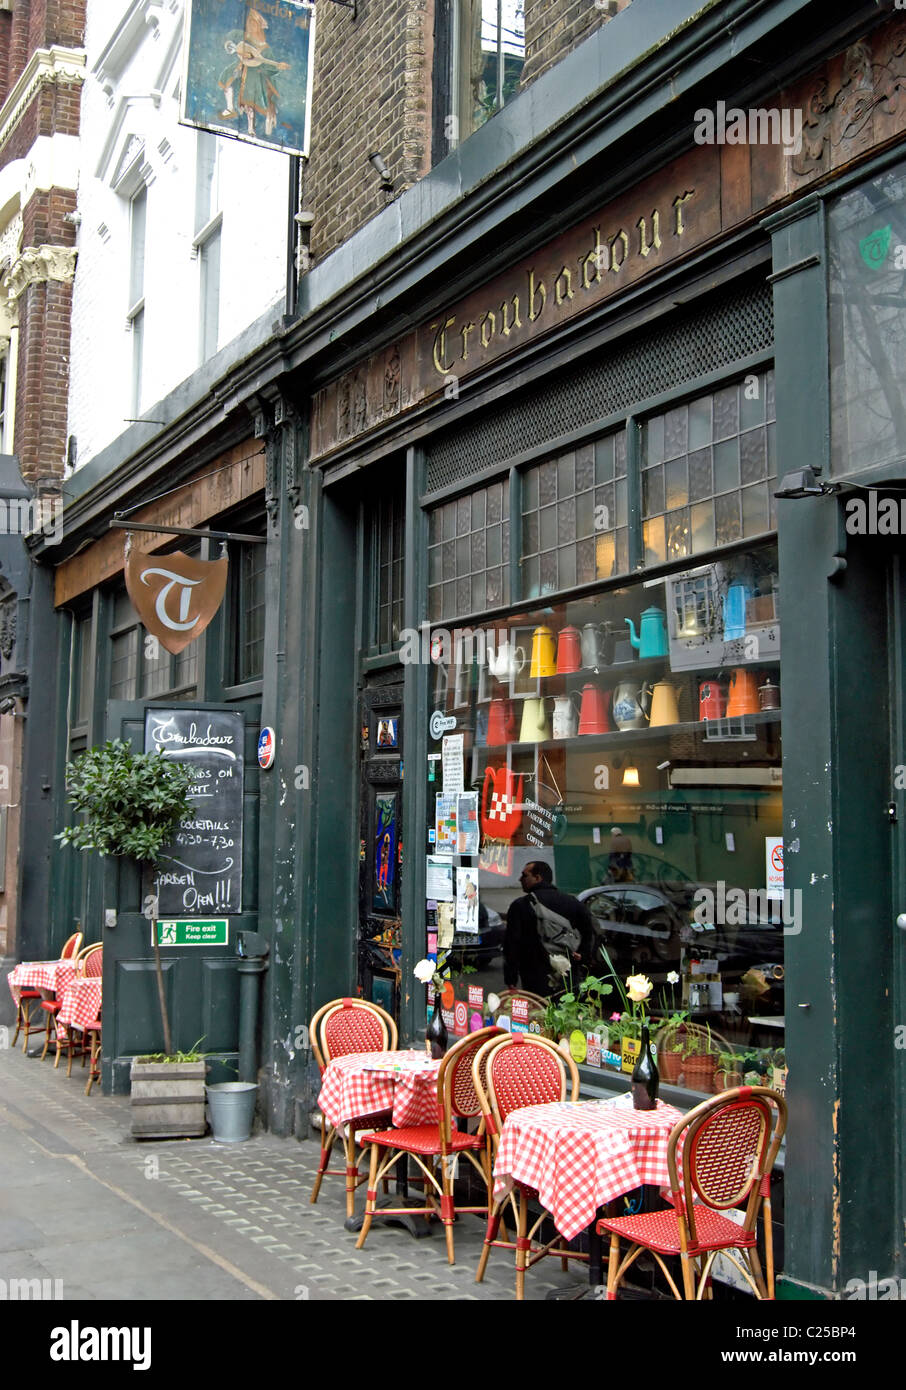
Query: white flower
column 638, row 987
column 560, row 964
column 424, row 971
column 672, row 977
column 493, row 1003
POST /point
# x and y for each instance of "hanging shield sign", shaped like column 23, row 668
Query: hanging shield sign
column 174, row 595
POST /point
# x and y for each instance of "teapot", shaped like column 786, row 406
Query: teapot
column 664, row 705
column 505, row 661
column 630, row 705
column 652, row 636
column 566, row 716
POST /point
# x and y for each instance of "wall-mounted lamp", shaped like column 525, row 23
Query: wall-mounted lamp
column 803, row 482
column 376, row 160
column 305, row 222
column 631, row 776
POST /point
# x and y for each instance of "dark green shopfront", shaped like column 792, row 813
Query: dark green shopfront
column 528, row 592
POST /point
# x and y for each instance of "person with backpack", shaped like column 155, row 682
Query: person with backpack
column 549, row 935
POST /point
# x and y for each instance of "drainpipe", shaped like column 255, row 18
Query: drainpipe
column 252, row 950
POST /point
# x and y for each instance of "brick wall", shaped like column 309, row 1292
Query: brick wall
column 372, row 92
column 43, row 378
column 554, row 28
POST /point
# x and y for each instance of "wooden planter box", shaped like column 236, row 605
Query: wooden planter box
column 168, row 1099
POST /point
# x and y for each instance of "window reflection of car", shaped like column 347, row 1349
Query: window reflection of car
column 646, row 927
column 479, row 948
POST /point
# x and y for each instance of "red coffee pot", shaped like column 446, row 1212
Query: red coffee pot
column 501, row 722
column 593, row 714
column 569, row 651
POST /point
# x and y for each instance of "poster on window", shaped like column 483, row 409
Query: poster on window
column 467, row 900
column 247, row 71
column 385, row 836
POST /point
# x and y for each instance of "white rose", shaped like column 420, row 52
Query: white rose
column 672, row 977
column 638, row 987
column 560, row 964
column 424, row 971
column 493, row 1003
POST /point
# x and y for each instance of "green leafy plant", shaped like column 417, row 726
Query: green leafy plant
column 131, row 804
column 580, row 1008
column 190, row 1055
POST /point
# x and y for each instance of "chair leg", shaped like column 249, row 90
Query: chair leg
column 688, row 1277
column 447, row 1206
column 352, row 1170
column 613, row 1265
column 19, row 1026
column 326, row 1148
column 60, row 1045
column 94, row 1073
column 767, row 1292
column 47, row 1028
column 490, row 1236
column 371, row 1198
column 523, row 1245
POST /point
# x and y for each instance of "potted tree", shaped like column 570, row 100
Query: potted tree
column 131, row 805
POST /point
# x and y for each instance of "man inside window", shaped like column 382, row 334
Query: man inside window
column 526, row 963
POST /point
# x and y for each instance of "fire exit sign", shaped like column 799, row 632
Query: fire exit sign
column 194, row 932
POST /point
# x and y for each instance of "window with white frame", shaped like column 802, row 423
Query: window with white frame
column 206, row 241
column 481, row 54
column 138, row 217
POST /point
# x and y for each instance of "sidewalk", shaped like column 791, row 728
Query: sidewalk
column 83, row 1203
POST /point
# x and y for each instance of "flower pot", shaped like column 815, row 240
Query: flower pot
column 670, row 1065
column 167, row 1099
column 727, row 1080
column 231, row 1106
column 699, row 1069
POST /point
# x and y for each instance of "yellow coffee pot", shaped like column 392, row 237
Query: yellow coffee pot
column 664, row 705
column 544, row 656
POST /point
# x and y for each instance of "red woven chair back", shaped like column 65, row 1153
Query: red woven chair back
column 351, row 1025
column 727, row 1149
column 90, row 962
column 71, row 947
column 455, row 1077
column 526, row 1070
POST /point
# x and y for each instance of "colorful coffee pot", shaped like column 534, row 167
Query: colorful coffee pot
column 501, row 722
column 566, row 716
column 630, row 705
column 535, row 728
column 664, row 705
column 544, row 661
column 743, row 693
column 597, row 646
column 593, row 718
column 569, row 652
column 769, row 695
column 505, row 661
column 738, row 596
column 712, row 700
column 652, row 636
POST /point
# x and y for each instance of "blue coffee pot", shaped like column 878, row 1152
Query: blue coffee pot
column 652, row 636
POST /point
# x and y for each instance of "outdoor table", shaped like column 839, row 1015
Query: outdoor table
column 52, row 975
column 81, row 1005
column 365, row 1083
column 581, row 1155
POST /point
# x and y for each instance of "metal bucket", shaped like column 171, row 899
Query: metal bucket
column 231, row 1107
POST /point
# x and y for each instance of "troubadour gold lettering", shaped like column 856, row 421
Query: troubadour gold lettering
column 440, row 348
column 595, row 258
column 505, row 315
column 642, row 225
column 678, row 210
column 538, row 291
column 617, row 265
column 487, row 328
column 564, row 279
column 464, row 332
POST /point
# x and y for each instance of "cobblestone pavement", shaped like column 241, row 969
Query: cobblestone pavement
column 82, row 1202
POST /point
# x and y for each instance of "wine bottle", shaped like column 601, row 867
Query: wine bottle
column 436, row 1032
column 645, row 1078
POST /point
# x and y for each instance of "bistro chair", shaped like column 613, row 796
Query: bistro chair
column 28, row 1010
column 338, row 1028
column 88, row 962
column 94, row 1066
column 90, row 966
column 728, row 1152
column 457, row 1099
column 510, row 1073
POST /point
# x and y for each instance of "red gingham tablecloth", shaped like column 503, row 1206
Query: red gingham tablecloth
column 54, row 975
column 349, row 1089
column 81, row 1004
column 580, row 1156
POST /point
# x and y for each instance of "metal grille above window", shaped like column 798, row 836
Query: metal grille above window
column 469, row 552
column 729, row 326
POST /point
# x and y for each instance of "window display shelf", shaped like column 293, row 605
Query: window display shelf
column 623, row 738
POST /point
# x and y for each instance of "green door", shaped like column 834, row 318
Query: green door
column 201, row 982
column 896, row 925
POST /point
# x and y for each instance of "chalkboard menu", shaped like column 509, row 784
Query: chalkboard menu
column 200, row 871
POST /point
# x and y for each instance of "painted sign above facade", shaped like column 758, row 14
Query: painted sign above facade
column 854, row 103
column 175, row 596
column 247, row 71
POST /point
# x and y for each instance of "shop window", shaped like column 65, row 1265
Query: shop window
column 135, row 313
column 249, row 609
column 469, row 552
column 389, row 542
column 206, row 242
column 867, row 257
column 82, row 670
column 574, row 517
column 631, row 740
column 708, row 466
column 139, row 665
